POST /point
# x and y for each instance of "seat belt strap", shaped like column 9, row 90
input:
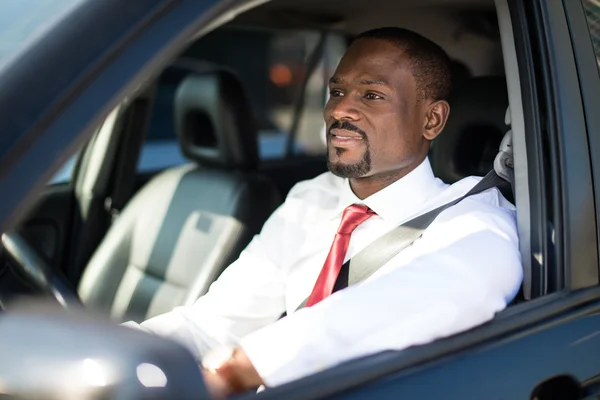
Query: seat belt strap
column 377, row 254
column 125, row 171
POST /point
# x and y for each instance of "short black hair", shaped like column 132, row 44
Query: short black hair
column 431, row 65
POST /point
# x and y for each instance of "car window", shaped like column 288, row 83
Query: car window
column 65, row 173
column 592, row 12
column 272, row 66
column 22, row 21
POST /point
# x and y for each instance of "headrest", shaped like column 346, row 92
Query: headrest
column 213, row 119
column 475, row 128
column 504, row 163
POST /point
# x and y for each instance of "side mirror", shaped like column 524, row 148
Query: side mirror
column 50, row 353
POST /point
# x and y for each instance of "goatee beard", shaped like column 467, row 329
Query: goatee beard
column 356, row 170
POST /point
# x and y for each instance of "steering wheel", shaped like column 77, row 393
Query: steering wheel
column 30, row 266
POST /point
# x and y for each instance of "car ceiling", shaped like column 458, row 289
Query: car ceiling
column 353, row 16
column 466, row 29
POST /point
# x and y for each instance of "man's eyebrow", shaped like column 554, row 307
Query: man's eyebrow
column 373, row 82
column 338, row 81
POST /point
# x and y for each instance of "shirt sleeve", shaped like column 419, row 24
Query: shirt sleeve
column 248, row 295
column 467, row 268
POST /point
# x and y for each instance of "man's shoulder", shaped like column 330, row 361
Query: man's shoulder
column 485, row 205
column 487, row 214
column 492, row 197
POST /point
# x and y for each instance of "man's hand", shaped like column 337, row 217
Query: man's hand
column 216, row 385
column 236, row 375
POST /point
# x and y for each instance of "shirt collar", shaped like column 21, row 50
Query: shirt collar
column 400, row 200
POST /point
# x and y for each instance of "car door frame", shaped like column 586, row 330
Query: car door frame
column 589, row 83
column 578, row 253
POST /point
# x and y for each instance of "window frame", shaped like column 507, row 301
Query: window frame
column 563, row 123
column 589, row 82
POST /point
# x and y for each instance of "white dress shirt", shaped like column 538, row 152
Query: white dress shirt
column 464, row 269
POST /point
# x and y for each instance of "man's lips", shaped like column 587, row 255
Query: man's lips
column 342, row 138
column 343, row 134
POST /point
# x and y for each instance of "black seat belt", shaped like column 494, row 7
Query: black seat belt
column 377, row 254
column 125, row 172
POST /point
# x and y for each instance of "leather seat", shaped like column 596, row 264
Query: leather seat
column 475, row 128
column 184, row 227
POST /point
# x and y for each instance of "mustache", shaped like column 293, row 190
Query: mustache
column 345, row 125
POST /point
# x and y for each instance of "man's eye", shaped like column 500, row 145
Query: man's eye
column 335, row 93
column 373, row 96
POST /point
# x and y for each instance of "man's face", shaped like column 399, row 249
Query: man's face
column 375, row 125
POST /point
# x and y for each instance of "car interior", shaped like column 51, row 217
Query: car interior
column 183, row 173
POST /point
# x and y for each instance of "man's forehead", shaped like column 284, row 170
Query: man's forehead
column 372, row 62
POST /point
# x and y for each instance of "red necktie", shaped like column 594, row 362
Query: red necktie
column 353, row 216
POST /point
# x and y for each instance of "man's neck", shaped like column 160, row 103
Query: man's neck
column 366, row 186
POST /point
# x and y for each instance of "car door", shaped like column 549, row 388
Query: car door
column 551, row 335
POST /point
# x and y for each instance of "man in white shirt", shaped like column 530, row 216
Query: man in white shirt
column 388, row 102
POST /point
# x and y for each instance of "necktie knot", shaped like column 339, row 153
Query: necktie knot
column 353, row 216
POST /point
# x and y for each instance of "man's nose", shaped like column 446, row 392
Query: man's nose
column 345, row 109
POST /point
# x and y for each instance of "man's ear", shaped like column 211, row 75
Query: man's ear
column 436, row 116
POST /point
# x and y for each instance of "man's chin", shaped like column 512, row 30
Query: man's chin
column 346, row 170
